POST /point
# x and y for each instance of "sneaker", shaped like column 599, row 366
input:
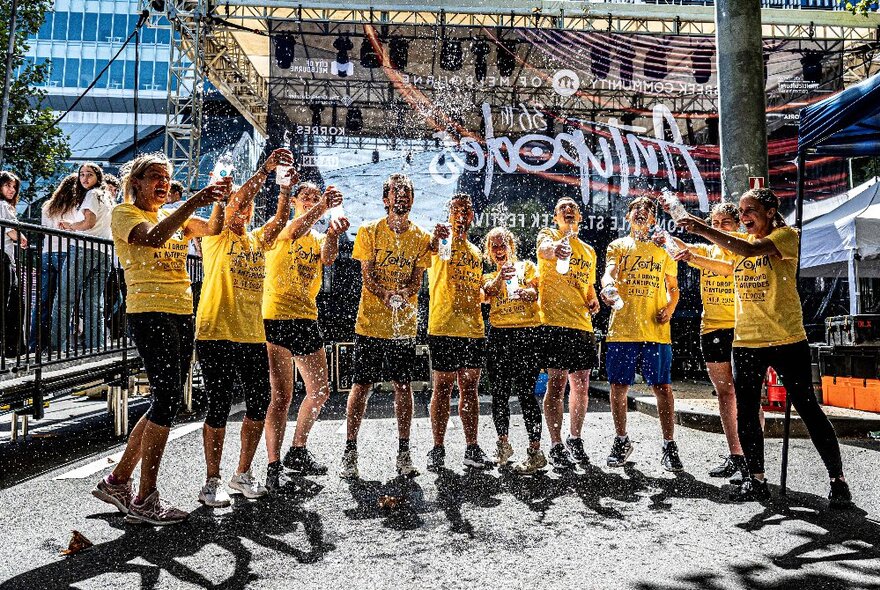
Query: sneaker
column 620, row 452
column 301, row 460
column 475, row 458
column 730, row 466
column 560, row 457
column 534, row 462
column 249, row 487
column 751, row 490
column 349, row 468
column 670, row 460
column 576, row 448
column 155, row 511
column 503, row 452
column 213, row 494
column 405, row 465
column 275, row 478
column 839, row 496
column 120, row 494
column 436, row 458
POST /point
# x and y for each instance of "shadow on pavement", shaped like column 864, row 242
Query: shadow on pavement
column 399, row 502
column 259, row 522
column 474, row 487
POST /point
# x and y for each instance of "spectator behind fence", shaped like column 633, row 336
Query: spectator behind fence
column 111, row 187
column 13, row 308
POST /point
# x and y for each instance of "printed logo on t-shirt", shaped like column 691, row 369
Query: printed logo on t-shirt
column 642, row 274
column 753, row 278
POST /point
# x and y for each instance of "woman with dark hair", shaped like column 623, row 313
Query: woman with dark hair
column 12, row 304
column 769, row 331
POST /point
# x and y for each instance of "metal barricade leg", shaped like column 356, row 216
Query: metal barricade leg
column 188, row 386
column 13, row 428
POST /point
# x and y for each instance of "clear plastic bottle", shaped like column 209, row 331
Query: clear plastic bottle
column 512, row 284
column 563, row 264
column 612, row 294
column 669, row 244
column 222, row 168
column 673, row 205
column 336, row 212
column 281, row 178
column 445, row 248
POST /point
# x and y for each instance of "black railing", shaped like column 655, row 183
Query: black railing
column 63, row 298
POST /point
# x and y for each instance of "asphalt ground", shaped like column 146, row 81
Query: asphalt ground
column 637, row 527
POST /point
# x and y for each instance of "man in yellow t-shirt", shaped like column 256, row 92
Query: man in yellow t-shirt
column 456, row 334
column 394, row 254
column 645, row 278
column 567, row 295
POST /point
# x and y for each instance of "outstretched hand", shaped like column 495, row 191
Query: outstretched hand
column 216, row 192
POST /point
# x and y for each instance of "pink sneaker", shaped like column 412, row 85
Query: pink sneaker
column 120, row 495
column 154, row 511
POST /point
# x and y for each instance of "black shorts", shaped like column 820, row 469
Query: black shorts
column 513, row 351
column 717, row 345
column 301, row 337
column 451, row 353
column 383, row 359
column 567, row 349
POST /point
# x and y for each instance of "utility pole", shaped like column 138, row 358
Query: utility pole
column 7, row 82
column 741, row 95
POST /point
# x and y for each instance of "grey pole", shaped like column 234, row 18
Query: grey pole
column 741, row 96
column 7, row 82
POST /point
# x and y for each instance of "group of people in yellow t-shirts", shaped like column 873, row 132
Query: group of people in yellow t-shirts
column 257, row 320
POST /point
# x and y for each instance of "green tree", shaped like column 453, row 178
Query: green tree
column 35, row 146
column 860, row 6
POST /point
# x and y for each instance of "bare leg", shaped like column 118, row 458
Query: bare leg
column 251, row 432
column 403, row 408
column 721, row 375
column 212, row 439
column 578, row 400
column 553, row 407
column 356, row 408
column 313, row 369
column 443, row 382
column 132, row 453
column 618, row 407
column 469, row 403
column 665, row 410
column 152, row 447
column 281, row 379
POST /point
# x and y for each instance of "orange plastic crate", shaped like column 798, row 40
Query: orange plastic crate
column 866, row 395
column 838, row 392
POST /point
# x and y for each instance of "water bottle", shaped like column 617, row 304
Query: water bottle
column 613, row 295
column 336, row 212
column 563, row 264
column 669, row 244
column 445, row 249
column 673, row 205
column 512, row 284
column 223, row 168
column 396, row 302
column 281, row 178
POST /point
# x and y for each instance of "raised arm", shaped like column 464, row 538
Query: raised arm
column 731, row 243
column 330, row 248
column 154, row 236
column 244, row 196
column 718, row 266
column 273, row 227
column 301, row 225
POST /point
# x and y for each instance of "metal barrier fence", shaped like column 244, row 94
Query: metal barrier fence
column 63, row 302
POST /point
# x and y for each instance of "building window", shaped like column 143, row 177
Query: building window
column 117, row 74
column 71, row 72
column 146, row 75
column 59, row 31
column 74, row 26
column 45, row 31
column 86, row 73
column 100, row 65
column 56, row 73
column 105, row 26
column 129, row 76
column 90, row 27
column 120, row 27
column 161, row 75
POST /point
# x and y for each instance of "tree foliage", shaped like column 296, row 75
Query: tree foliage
column 860, row 6
column 35, row 146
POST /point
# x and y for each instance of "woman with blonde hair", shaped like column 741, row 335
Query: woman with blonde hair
column 151, row 245
column 512, row 362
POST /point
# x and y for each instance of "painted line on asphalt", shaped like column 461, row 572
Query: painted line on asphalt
column 110, row 460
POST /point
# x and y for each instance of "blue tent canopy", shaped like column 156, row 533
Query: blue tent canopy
column 846, row 124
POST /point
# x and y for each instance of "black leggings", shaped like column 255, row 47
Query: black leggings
column 512, row 365
column 165, row 343
column 792, row 363
column 225, row 363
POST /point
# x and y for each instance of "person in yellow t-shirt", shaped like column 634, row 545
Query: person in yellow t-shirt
column 568, row 345
column 394, row 253
column 294, row 268
column 645, row 278
column 512, row 360
column 716, row 333
column 230, row 338
column 151, row 246
column 769, row 331
column 456, row 334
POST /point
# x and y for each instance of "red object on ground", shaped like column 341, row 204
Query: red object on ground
column 776, row 393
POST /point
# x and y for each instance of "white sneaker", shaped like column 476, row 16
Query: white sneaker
column 249, row 487
column 405, row 465
column 213, row 494
column 349, row 468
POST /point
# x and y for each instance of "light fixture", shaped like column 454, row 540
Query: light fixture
column 343, row 66
column 812, row 65
column 506, row 56
column 375, row 156
column 369, row 57
column 354, row 120
column 451, row 58
column 316, row 109
column 481, row 51
column 701, row 59
column 398, row 52
column 283, row 44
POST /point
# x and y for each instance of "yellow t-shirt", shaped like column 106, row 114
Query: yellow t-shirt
column 454, row 308
column 156, row 278
column 394, row 257
column 514, row 313
column 768, row 307
column 642, row 268
column 563, row 298
column 232, row 288
column 293, row 278
column 716, row 291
